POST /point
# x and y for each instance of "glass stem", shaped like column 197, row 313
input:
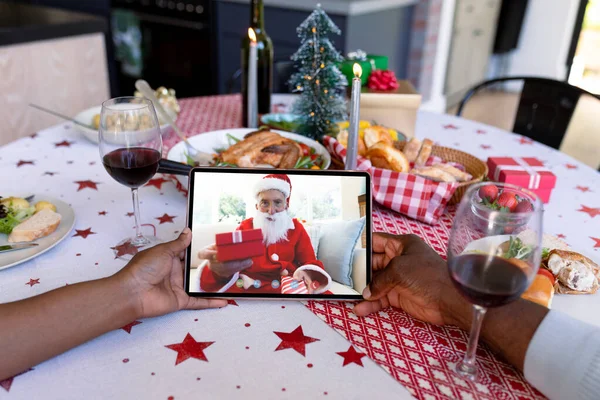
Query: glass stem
column 467, row 365
column 136, row 213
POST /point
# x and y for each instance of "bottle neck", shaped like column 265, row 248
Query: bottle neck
column 257, row 19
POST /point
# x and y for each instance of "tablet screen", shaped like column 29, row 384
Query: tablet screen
column 299, row 234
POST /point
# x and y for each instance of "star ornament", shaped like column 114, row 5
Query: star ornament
column 351, row 356
column 84, row 233
column 189, row 348
column 590, row 210
column 127, row 328
column 87, row 184
column 294, row 340
column 157, row 183
column 33, row 282
column 125, row 248
column 166, row 218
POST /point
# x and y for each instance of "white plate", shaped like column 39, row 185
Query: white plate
column 218, row 139
column 86, row 116
column 67, row 222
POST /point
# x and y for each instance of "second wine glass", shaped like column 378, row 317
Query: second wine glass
column 494, row 252
column 130, row 148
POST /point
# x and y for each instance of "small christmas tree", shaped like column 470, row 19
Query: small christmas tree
column 320, row 82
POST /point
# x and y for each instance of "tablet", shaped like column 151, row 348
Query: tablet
column 278, row 234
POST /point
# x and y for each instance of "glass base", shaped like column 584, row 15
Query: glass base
column 126, row 249
column 466, row 371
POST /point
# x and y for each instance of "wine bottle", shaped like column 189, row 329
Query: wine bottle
column 264, row 48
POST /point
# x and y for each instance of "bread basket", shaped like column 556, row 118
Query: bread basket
column 473, row 165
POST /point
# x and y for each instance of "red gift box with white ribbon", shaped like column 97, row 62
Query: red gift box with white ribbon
column 526, row 172
column 239, row 245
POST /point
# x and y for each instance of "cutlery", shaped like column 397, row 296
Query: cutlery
column 62, row 116
column 201, row 157
column 173, row 167
column 16, row 246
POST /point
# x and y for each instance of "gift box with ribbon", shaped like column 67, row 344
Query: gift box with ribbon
column 290, row 285
column 239, row 245
column 526, row 172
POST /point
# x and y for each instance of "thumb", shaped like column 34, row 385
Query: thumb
column 383, row 281
column 181, row 243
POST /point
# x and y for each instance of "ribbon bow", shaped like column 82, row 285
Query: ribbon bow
column 533, row 171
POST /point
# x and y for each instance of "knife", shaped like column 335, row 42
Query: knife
column 16, row 246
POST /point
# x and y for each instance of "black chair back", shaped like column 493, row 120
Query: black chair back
column 545, row 108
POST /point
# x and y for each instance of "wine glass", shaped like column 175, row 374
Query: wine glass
column 131, row 147
column 494, row 252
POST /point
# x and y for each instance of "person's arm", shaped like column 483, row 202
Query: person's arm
column 38, row 328
column 559, row 355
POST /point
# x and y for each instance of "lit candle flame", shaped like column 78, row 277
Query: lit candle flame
column 252, row 35
column 357, row 70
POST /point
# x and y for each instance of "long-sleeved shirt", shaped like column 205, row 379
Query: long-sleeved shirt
column 563, row 358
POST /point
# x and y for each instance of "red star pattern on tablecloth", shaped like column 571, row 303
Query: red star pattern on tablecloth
column 157, row 182
column 124, row 249
column 571, row 166
column 189, row 348
column 590, row 210
column 33, row 135
column 87, row 184
column 50, row 173
column 450, row 126
column 64, row 143
column 102, row 213
column 597, row 242
column 486, row 146
column 25, row 162
column 583, row 188
column 561, row 236
column 33, row 282
column 294, row 340
column 84, row 233
column 129, row 214
column 127, row 328
column 352, row 356
column 233, row 303
column 166, row 218
column 7, row 383
column 481, row 132
column 524, row 140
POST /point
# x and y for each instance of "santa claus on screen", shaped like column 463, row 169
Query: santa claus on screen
column 288, row 249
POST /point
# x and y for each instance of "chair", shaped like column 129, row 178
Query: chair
column 282, row 71
column 545, row 108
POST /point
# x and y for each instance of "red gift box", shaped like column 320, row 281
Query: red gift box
column 239, row 245
column 527, row 172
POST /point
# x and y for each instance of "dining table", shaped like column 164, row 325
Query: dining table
column 262, row 349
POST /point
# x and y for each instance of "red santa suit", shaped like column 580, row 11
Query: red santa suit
column 291, row 255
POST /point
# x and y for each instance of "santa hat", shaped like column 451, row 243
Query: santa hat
column 279, row 182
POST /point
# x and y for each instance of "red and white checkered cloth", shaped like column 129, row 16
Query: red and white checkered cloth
column 412, row 195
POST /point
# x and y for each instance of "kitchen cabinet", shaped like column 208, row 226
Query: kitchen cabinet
column 474, row 30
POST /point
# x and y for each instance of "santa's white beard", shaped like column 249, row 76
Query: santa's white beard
column 274, row 227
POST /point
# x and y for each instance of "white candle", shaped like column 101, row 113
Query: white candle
column 352, row 150
column 252, row 105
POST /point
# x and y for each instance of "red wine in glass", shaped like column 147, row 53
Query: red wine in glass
column 132, row 166
column 487, row 281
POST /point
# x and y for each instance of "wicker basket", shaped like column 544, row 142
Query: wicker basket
column 473, row 165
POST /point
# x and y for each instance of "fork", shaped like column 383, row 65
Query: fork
column 201, row 157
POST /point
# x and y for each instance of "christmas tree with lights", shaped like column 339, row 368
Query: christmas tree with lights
column 319, row 81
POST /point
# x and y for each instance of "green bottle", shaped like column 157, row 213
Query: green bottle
column 264, row 67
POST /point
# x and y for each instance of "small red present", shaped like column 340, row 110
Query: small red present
column 239, row 245
column 526, row 172
column 290, row 285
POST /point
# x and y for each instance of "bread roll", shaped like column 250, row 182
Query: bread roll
column 411, row 149
column 342, row 138
column 455, row 172
column 433, row 173
column 384, row 155
column 376, row 134
column 424, row 153
column 541, row 291
column 41, row 224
